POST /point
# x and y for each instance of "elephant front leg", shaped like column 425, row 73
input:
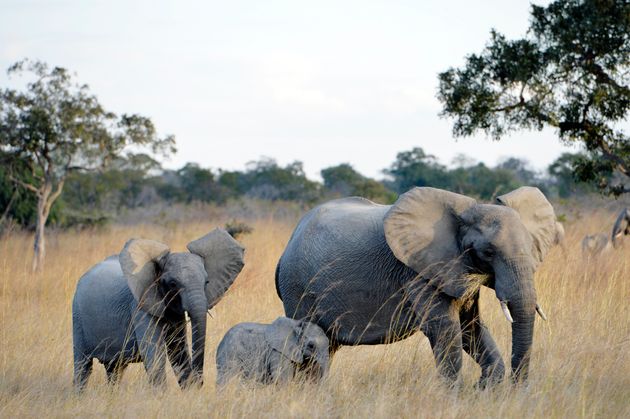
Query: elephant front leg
column 150, row 338
column 177, row 350
column 441, row 325
column 478, row 343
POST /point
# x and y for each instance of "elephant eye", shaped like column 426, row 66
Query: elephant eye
column 488, row 253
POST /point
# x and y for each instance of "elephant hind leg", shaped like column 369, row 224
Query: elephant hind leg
column 82, row 370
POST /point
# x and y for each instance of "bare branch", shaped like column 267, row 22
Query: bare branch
column 26, row 185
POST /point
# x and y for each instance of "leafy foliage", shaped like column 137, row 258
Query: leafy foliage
column 343, row 180
column 416, row 168
column 54, row 127
column 570, row 73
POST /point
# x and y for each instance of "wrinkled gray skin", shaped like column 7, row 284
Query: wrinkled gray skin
column 339, row 271
column 109, row 323
column 272, row 353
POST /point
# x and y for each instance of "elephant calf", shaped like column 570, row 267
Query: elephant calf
column 272, row 353
column 128, row 307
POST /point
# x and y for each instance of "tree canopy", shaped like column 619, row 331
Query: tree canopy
column 571, row 72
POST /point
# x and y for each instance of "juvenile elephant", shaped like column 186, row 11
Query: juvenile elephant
column 272, row 353
column 596, row 244
column 371, row 274
column 130, row 306
column 600, row 243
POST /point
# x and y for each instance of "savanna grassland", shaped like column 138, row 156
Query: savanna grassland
column 580, row 362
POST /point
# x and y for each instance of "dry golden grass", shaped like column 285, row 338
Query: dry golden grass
column 580, row 365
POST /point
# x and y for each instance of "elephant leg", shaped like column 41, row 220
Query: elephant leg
column 441, row 325
column 115, row 370
column 279, row 369
column 177, row 350
column 82, row 371
column 149, row 335
column 478, row 343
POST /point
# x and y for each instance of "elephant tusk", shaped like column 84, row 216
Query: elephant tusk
column 506, row 312
column 540, row 312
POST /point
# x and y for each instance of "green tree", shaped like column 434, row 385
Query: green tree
column 416, row 168
column 56, row 127
column 16, row 202
column 571, row 72
column 563, row 178
column 343, row 180
column 265, row 179
column 88, row 194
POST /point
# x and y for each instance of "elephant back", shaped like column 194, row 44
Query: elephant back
column 327, row 272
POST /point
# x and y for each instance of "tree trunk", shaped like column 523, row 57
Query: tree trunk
column 39, row 245
column 46, row 197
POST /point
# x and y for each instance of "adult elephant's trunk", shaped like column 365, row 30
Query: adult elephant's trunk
column 514, row 286
column 198, row 307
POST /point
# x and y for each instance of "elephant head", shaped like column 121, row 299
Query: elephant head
column 621, row 227
column 304, row 343
column 445, row 237
column 168, row 284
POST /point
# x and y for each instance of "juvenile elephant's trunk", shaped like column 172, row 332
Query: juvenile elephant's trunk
column 197, row 312
column 514, row 285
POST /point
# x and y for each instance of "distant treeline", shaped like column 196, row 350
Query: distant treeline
column 94, row 197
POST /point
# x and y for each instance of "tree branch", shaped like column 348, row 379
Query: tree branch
column 54, row 195
column 26, row 185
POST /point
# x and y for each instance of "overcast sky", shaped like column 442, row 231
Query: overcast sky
column 324, row 82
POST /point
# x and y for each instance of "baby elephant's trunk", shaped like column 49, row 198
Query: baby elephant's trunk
column 316, row 360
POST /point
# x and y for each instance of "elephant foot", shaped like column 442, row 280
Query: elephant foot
column 490, row 377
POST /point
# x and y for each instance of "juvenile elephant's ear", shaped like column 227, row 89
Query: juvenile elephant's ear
column 621, row 227
column 421, row 230
column 223, row 259
column 139, row 261
column 537, row 215
column 283, row 335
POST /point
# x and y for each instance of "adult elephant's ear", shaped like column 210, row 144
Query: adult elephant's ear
column 537, row 215
column 283, row 336
column 223, row 259
column 421, row 230
column 139, row 261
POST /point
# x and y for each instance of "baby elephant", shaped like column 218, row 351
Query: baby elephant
column 272, row 353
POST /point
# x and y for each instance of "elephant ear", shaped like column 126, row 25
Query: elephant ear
column 139, row 261
column 421, row 230
column 223, row 260
column 537, row 215
column 621, row 227
column 283, row 335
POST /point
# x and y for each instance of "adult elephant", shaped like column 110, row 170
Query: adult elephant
column 130, row 306
column 371, row 274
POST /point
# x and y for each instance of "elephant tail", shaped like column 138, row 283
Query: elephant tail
column 277, row 275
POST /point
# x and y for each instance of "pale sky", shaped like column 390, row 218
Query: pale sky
column 323, row 82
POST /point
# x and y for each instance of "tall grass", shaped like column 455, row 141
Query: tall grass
column 580, row 363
